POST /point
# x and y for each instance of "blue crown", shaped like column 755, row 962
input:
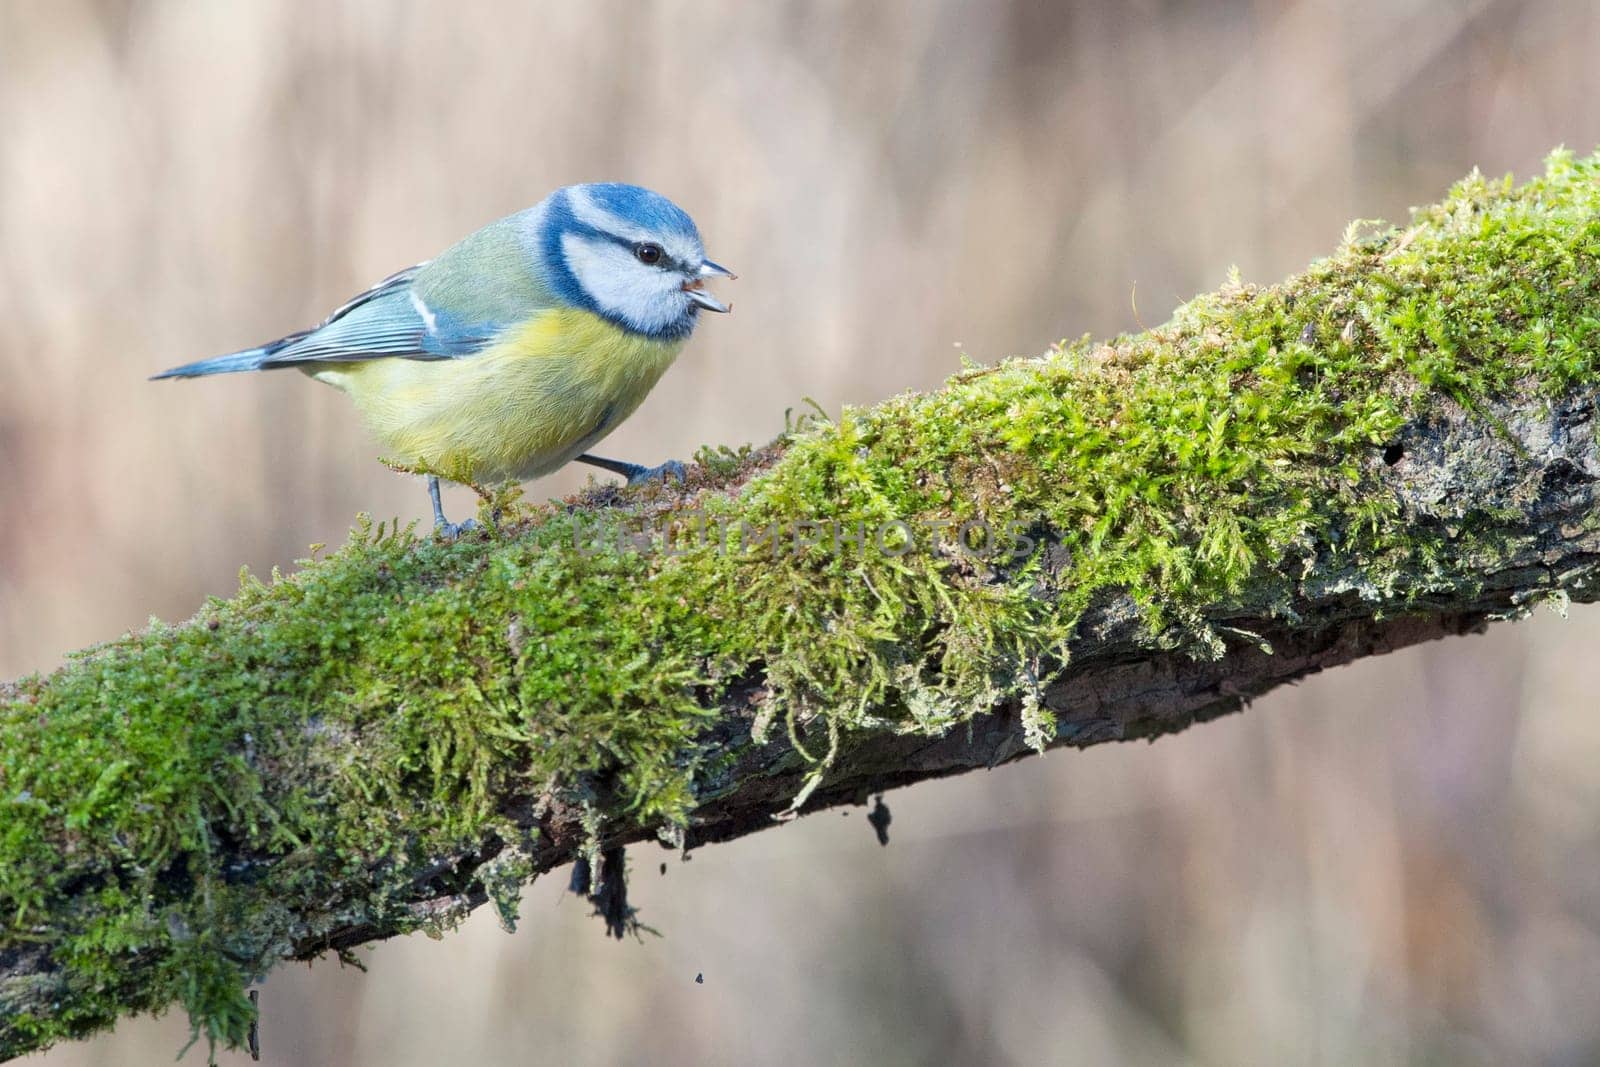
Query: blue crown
column 648, row 209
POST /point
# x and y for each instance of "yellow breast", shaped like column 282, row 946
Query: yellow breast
column 548, row 391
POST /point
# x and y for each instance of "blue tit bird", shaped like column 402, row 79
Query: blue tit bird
column 520, row 347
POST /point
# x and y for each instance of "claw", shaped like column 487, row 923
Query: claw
column 635, row 473
column 441, row 527
column 670, row 469
column 452, row 530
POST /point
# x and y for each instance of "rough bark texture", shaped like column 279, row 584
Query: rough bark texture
column 407, row 731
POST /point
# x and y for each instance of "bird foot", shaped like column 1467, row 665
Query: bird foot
column 452, row 530
column 635, row 473
column 670, row 469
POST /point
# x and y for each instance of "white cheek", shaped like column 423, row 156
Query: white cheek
column 646, row 298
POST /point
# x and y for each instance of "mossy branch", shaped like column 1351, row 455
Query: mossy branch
column 1109, row 542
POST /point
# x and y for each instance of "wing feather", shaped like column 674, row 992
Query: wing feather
column 387, row 321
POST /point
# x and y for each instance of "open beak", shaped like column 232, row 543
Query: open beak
column 696, row 287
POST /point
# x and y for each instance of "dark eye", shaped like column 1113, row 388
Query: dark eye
column 648, row 253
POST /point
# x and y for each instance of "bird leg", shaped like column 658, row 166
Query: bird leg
column 636, row 473
column 441, row 525
column 449, row 530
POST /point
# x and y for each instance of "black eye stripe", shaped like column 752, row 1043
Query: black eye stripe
column 667, row 260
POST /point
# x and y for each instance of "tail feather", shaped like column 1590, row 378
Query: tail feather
column 249, row 359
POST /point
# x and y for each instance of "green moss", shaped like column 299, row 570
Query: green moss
column 342, row 727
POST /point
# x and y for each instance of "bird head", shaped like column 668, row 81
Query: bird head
column 629, row 255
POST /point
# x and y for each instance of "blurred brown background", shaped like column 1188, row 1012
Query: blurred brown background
column 1394, row 863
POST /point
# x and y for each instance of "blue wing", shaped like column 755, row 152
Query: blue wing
column 390, row 320
column 445, row 308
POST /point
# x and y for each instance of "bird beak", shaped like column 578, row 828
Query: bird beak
column 703, row 298
column 696, row 287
